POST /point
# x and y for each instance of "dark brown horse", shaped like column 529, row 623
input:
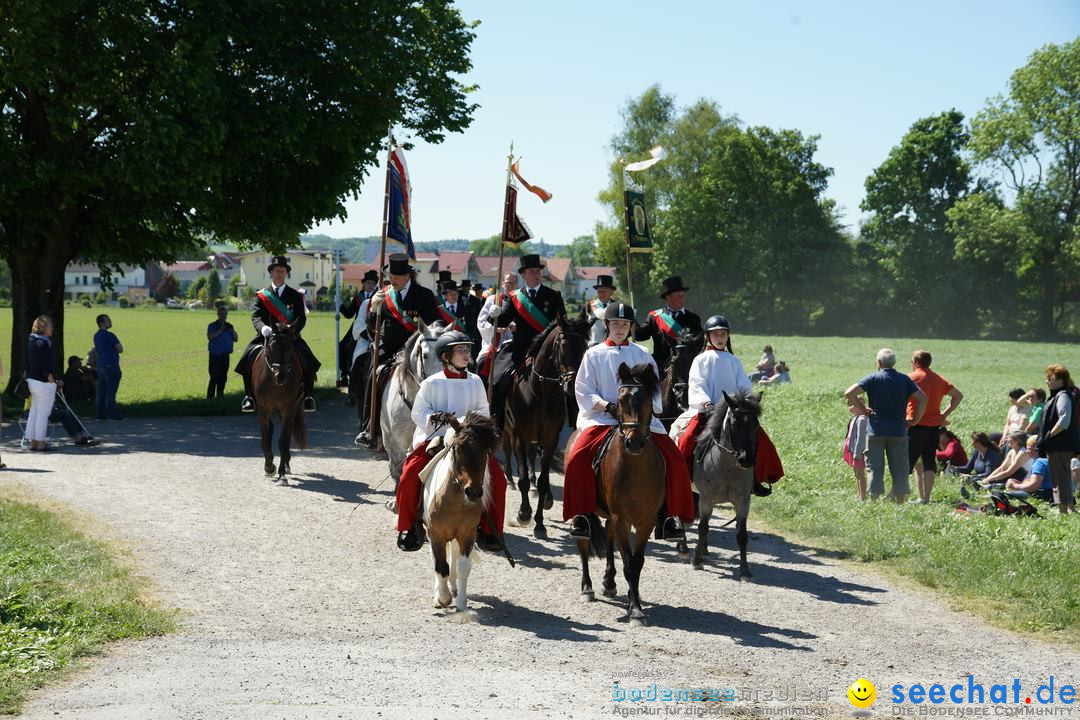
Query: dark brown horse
column 278, row 383
column 674, row 387
column 629, row 490
column 536, row 410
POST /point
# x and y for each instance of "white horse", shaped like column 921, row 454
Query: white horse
column 417, row 361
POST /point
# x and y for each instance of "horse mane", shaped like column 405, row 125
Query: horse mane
column 744, row 399
column 579, row 326
column 479, row 430
column 574, row 326
column 539, row 340
column 645, row 375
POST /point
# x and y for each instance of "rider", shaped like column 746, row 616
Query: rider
column 597, row 394
column 666, row 323
column 488, row 331
column 714, row 371
column 349, row 309
column 397, row 306
column 278, row 304
column 454, row 392
column 531, row 309
column 594, row 309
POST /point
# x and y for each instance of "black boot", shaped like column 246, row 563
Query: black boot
column 248, row 404
column 413, row 539
column 488, row 542
column 762, row 490
column 309, row 388
column 671, row 530
column 579, row 527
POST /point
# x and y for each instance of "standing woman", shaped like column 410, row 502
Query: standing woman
column 41, row 377
column 1059, row 437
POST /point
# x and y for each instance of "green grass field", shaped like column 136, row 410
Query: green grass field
column 1019, row 573
column 62, row 596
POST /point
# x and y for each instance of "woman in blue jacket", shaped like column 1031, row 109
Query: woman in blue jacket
column 42, row 379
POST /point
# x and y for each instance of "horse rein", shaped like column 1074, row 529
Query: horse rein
column 274, row 368
column 565, row 376
column 633, row 425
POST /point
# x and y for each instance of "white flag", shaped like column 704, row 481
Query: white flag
column 657, row 154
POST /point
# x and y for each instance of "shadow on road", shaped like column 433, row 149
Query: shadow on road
column 503, row 613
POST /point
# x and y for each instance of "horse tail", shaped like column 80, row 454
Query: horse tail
column 299, row 430
column 597, row 537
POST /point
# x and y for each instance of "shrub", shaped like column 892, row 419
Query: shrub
column 123, row 301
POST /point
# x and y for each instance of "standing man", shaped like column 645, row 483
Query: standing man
column 221, row 336
column 595, row 308
column 888, row 392
column 107, row 348
column 491, row 337
column 665, row 324
column 349, row 309
column 923, row 435
column 397, row 306
column 531, row 309
column 453, row 310
column 278, row 304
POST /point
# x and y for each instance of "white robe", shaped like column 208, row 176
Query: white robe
column 358, row 327
column 598, row 381
column 439, row 393
column 712, row 373
column 598, row 332
column 486, row 326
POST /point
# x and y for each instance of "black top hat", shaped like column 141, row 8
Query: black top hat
column 604, row 281
column 447, row 286
column 444, row 275
column 399, row 264
column 478, row 286
column 530, row 261
column 371, row 275
column 465, row 285
column 672, row 284
column 279, row 261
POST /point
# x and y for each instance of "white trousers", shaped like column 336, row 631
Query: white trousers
column 42, row 397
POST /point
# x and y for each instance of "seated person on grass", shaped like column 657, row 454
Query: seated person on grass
column 984, row 458
column 1017, row 460
column 950, row 453
column 1037, row 483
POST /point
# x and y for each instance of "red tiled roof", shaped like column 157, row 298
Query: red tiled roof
column 456, row 262
column 558, row 268
column 353, row 273
column 186, row 266
column 489, row 264
column 591, row 272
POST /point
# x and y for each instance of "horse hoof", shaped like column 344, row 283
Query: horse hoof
column 682, row 548
column 524, row 517
column 697, row 564
column 744, row 576
column 638, row 622
column 587, row 596
column 540, row 532
column 270, row 469
column 549, row 501
column 391, row 505
column 441, row 603
column 282, row 480
column 608, row 592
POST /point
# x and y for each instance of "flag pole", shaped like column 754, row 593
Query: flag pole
column 337, row 315
column 496, row 337
column 382, row 263
column 626, row 233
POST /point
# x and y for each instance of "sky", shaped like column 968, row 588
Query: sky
column 554, row 76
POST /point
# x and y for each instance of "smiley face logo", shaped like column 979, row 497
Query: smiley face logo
column 862, row 693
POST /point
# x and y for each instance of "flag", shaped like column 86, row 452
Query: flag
column 399, row 219
column 534, row 189
column 638, row 232
column 515, row 231
column 657, row 154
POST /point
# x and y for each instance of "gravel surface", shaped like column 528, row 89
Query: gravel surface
column 297, row 604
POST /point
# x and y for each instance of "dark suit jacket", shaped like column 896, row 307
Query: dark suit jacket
column 549, row 301
column 464, row 317
column 419, row 302
column 662, row 342
column 292, row 298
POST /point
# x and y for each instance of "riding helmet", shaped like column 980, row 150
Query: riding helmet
column 619, row 311
column 449, row 339
column 717, row 322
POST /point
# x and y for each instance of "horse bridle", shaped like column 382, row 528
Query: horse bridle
column 726, row 430
column 647, row 432
column 565, row 376
column 274, row 368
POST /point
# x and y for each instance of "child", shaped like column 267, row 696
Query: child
column 855, row 445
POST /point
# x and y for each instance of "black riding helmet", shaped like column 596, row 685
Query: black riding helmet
column 448, row 340
column 717, row 322
column 619, row 311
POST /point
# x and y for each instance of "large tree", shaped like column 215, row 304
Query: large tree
column 130, row 131
column 908, row 196
column 1031, row 139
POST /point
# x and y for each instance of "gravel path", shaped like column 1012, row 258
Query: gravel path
column 298, row 605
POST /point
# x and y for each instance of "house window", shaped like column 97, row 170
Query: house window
column 84, row 282
column 307, row 276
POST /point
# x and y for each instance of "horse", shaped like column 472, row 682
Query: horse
column 278, row 384
column 674, row 387
column 724, row 469
column 456, row 494
column 630, row 490
column 536, row 410
column 416, row 361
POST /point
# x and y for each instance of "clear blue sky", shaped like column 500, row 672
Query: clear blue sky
column 554, row 76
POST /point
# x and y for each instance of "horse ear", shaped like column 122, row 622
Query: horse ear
column 452, row 421
column 624, row 373
column 727, row 398
column 423, row 328
column 759, row 396
column 562, row 322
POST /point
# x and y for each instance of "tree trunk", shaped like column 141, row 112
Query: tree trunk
column 37, row 288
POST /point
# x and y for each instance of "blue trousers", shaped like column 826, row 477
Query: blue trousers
column 108, row 384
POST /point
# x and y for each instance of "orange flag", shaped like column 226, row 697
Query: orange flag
column 534, row 189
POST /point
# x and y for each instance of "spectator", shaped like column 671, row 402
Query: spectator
column 1059, row 438
column 855, row 449
column 923, row 434
column 78, row 382
column 107, row 349
column 984, row 459
column 1035, row 398
column 74, row 429
column 42, row 379
column 1017, row 460
column 1037, row 483
column 766, row 365
column 221, row 336
column 782, row 374
column 950, row 452
column 888, row 392
column 1016, row 418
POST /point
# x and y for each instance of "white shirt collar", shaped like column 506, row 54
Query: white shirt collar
column 404, row 291
column 276, row 288
column 532, row 289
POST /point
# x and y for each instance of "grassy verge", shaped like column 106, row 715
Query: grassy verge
column 1018, row 573
column 62, row 596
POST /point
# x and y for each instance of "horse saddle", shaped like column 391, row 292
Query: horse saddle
column 602, row 448
column 702, row 447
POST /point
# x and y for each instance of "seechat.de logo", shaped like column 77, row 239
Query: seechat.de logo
column 862, row 694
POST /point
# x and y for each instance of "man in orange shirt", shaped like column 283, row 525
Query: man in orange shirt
column 923, row 436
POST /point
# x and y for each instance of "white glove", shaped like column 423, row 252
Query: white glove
column 377, row 300
column 495, row 311
column 267, row 331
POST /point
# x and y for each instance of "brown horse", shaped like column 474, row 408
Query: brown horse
column 278, row 383
column 675, row 386
column 629, row 489
column 456, row 494
column 536, row 410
